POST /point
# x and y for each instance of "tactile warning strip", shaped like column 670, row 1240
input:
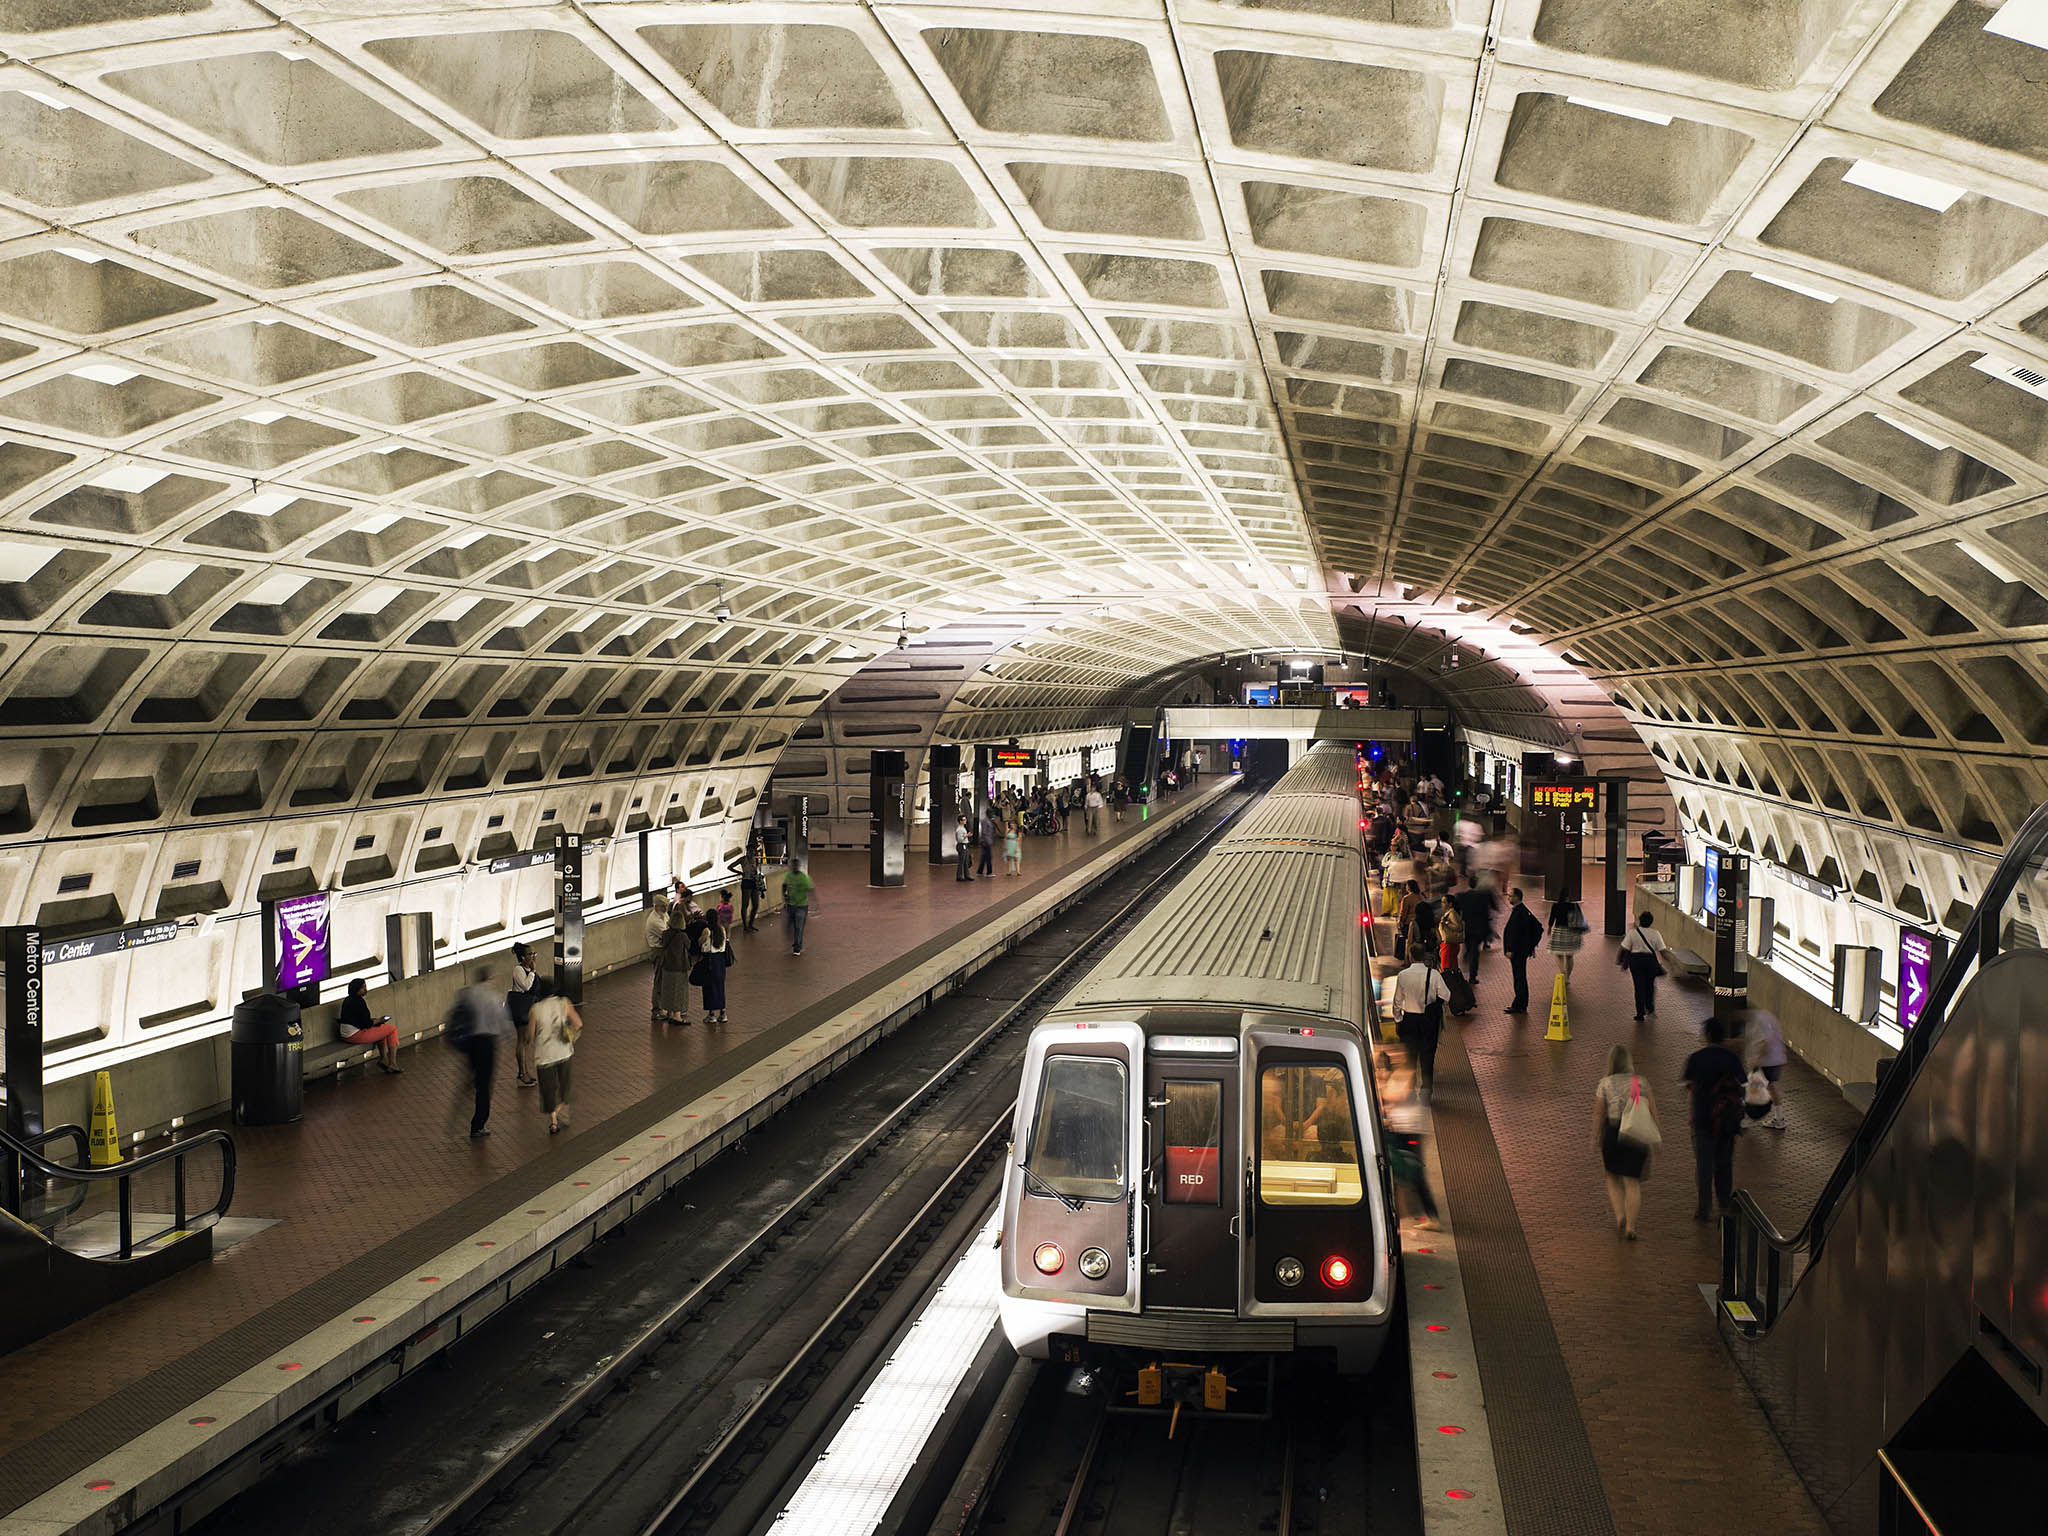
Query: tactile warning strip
column 1549, row 1482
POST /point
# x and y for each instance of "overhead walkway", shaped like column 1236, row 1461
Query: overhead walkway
column 1898, row 1334
column 1201, row 722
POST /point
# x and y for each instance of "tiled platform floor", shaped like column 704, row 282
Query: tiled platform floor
column 380, row 1172
column 1679, row 1443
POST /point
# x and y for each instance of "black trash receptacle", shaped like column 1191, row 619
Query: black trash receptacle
column 267, row 1044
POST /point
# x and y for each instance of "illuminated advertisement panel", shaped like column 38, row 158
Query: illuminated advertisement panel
column 302, row 939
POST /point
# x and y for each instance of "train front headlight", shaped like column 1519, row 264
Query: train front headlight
column 1048, row 1258
column 1288, row 1272
column 1094, row 1263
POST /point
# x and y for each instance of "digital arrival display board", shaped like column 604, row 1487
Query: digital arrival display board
column 1564, row 794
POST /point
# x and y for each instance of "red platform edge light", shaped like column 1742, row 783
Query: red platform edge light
column 1457, row 1493
column 99, row 1485
column 1434, row 1328
column 1049, row 1259
column 1450, row 1429
column 1445, row 1375
column 1336, row 1272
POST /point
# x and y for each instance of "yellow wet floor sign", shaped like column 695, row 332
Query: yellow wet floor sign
column 1560, row 1015
column 104, row 1141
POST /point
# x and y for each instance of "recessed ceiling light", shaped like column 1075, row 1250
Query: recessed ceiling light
column 262, row 418
column 105, row 373
column 1990, row 562
column 155, row 579
column 49, row 101
column 376, row 522
column 267, row 503
column 374, row 598
column 1640, row 114
column 1791, row 287
column 21, row 562
column 1903, row 185
column 2024, row 21
column 129, row 479
column 1918, row 434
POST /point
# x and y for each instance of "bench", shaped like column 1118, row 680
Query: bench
column 1683, row 962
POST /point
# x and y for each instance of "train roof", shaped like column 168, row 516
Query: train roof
column 1315, row 820
column 1324, row 769
column 1257, row 927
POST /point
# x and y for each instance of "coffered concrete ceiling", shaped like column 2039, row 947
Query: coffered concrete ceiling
column 386, row 388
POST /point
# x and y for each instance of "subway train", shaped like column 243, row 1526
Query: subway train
column 1196, row 1186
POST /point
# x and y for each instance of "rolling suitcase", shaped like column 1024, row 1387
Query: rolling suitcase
column 1462, row 999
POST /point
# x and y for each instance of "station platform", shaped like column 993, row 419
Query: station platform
column 1611, row 1402
column 390, row 1227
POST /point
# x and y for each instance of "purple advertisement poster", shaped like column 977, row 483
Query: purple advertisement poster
column 1920, row 957
column 302, row 940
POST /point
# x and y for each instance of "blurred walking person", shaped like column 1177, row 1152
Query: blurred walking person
column 556, row 1024
column 1622, row 1099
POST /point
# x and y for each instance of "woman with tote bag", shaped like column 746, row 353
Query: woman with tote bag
column 1626, row 1125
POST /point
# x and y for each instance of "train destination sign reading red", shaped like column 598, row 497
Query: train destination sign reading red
column 1564, row 795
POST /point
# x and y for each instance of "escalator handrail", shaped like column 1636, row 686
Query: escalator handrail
column 1977, row 944
column 16, row 1150
column 41, row 1140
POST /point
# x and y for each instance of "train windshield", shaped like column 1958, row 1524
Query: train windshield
column 1308, row 1136
column 1077, row 1145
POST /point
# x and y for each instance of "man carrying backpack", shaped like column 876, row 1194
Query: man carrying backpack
column 1716, row 1079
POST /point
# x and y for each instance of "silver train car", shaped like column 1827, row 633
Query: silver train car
column 1196, row 1181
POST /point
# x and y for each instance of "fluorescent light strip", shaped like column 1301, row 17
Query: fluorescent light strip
column 1791, row 287
column 1641, row 115
column 1918, row 434
column 851, row 1486
column 2024, row 21
column 1905, row 186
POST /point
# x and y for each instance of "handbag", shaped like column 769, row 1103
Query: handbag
column 1637, row 1124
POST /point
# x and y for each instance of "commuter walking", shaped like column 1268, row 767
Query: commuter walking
column 1639, row 952
column 751, row 883
column 1013, row 847
column 477, row 1024
column 1766, row 1054
column 1406, row 1124
column 963, row 850
column 1119, row 795
column 1475, row 904
column 1715, row 1078
column 1518, row 940
column 1567, row 935
column 714, row 959
column 1091, row 808
column 556, row 1024
column 1623, row 1099
column 985, row 834
column 796, row 907
column 1419, row 998
column 519, row 1003
column 357, row 1027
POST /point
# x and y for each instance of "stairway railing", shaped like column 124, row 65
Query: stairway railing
column 1755, row 1255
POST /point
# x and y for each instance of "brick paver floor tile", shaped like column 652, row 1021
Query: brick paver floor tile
column 1680, row 1442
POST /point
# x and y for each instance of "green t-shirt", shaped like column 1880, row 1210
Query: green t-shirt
column 796, row 889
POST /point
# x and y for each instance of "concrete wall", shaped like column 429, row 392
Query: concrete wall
column 1837, row 1047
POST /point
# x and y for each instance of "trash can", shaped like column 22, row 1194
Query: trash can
column 267, row 1044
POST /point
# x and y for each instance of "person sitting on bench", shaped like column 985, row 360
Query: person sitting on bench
column 358, row 1028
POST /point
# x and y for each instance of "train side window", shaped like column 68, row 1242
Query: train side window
column 1194, row 1134
column 1308, row 1136
column 1077, row 1143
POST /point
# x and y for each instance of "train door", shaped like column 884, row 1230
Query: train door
column 1315, row 1217
column 1191, row 1202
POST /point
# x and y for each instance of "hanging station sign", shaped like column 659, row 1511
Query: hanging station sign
column 1564, row 794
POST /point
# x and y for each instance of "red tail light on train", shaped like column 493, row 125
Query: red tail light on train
column 1336, row 1272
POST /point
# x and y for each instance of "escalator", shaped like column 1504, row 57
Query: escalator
column 74, row 1238
column 1897, row 1337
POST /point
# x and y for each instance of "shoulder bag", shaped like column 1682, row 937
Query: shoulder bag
column 1637, row 1124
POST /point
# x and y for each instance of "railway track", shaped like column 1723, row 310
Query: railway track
column 653, row 1402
